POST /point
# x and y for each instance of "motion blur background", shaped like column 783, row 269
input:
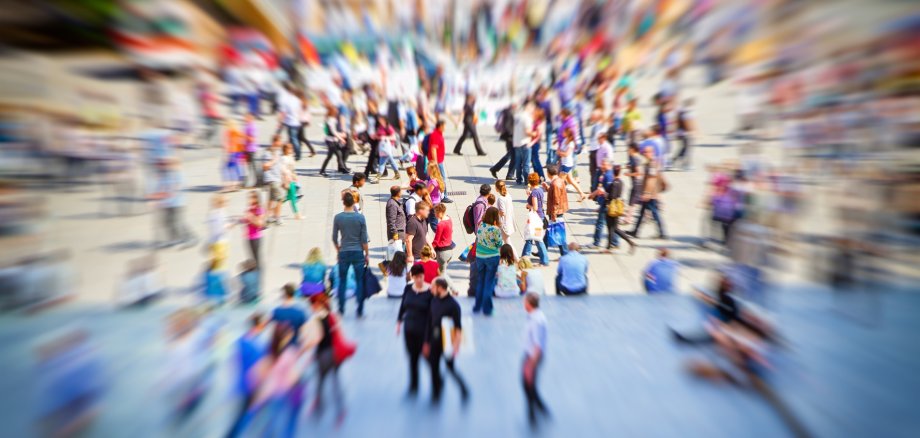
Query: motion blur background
column 825, row 110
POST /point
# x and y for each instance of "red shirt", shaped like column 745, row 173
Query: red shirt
column 443, row 234
column 436, row 147
column 431, row 270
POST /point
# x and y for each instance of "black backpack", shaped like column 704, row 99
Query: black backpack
column 469, row 217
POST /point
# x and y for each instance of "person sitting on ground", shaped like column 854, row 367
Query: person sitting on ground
column 395, row 271
column 506, row 285
column 661, row 274
column 530, row 279
column 429, row 264
column 314, row 273
column 572, row 274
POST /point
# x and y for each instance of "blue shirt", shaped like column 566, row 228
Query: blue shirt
column 663, row 272
column 293, row 316
column 573, row 269
column 250, row 352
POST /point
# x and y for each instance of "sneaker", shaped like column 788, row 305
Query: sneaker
column 447, row 200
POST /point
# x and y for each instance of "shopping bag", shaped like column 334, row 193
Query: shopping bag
column 555, row 234
column 393, row 247
column 371, row 283
column 469, row 253
column 342, row 347
column 534, row 229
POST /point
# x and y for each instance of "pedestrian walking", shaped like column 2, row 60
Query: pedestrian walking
column 289, row 115
column 535, row 336
column 349, row 235
column 289, row 179
column 505, row 206
column 652, row 184
column 557, row 202
column 335, row 142
column 610, row 208
column 686, row 129
column 249, row 352
column 413, row 319
column 535, row 202
column 506, row 134
column 469, row 126
column 255, row 221
column 443, row 339
column 435, row 144
column 321, row 330
column 171, row 203
column 386, row 148
column 417, row 231
column 523, row 140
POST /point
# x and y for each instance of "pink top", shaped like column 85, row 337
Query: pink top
column 254, row 231
column 434, row 191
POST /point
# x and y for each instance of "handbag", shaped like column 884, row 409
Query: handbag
column 342, row 347
column 469, row 253
column 555, row 234
column 616, row 208
column 371, row 283
column 534, row 229
column 393, row 247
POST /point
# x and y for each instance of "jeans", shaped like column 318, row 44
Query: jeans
column 651, row 204
column 294, row 138
column 550, row 153
column 541, row 250
column 355, row 260
column 562, row 290
column 444, row 177
column 521, row 164
column 535, row 160
column 683, row 155
column 382, row 164
column 486, row 268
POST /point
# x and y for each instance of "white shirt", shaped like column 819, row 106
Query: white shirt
column 506, row 206
column 568, row 160
column 535, row 332
column 217, row 225
column 291, row 106
column 535, row 282
column 396, row 285
column 522, row 123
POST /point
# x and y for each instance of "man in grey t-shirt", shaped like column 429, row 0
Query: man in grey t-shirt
column 349, row 235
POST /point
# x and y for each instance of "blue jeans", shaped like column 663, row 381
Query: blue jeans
column 550, row 153
column 486, row 269
column 293, row 138
column 382, row 164
column 600, row 224
column 651, row 204
column 535, row 160
column 522, row 164
column 541, row 250
column 444, row 177
column 354, row 260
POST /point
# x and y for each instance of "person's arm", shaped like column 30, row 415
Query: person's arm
column 335, row 234
column 364, row 240
column 409, row 257
column 523, row 283
column 391, row 213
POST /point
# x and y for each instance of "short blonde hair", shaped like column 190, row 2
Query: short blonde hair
column 314, row 256
column 524, row 264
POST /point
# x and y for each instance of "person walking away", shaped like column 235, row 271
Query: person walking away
column 535, row 202
column 506, row 134
column 444, row 313
column 505, row 209
column 250, row 350
column 313, row 272
column 572, row 273
column 417, row 231
column 255, row 221
column 631, row 120
column 611, row 208
column 633, row 163
column 686, row 130
column 335, row 142
column 469, row 126
column 289, row 107
column 566, row 123
column 413, row 319
column 396, row 272
column 506, row 285
column 488, row 243
column 522, row 140
column 557, row 203
column 395, row 216
column 535, row 336
column 373, row 154
column 290, row 312
column 566, row 153
column 651, row 187
column 349, row 235
column 531, row 279
column 289, row 179
column 273, row 176
column 386, row 148
column 443, row 242
column 321, row 329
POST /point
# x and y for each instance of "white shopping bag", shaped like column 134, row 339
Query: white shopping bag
column 393, row 247
column 534, row 229
column 467, row 347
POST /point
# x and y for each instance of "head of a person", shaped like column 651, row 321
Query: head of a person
column 470, row 98
column 348, row 200
column 440, row 211
column 654, row 130
column 524, row 263
column 422, row 209
column 382, row 121
column 411, row 172
column 420, row 188
column 397, row 266
column 395, row 192
column 506, row 254
column 531, row 302
column 254, row 199
column 663, row 253
column 288, row 149
column 574, row 246
column 616, row 169
column 631, row 105
column 552, row 170
column 319, row 302
column 427, row 252
column 358, row 179
column 601, row 137
column 417, row 274
column 484, row 190
column 533, row 179
column 501, row 187
column 648, row 152
column 257, row 322
column 314, row 256
column 633, row 148
column 276, row 145
column 725, row 286
column 490, row 199
column 439, row 125
column 332, row 111
column 569, row 134
column 289, row 290
column 565, row 113
column 491, row 216
column 439, row 287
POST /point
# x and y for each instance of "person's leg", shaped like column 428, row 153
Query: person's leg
column 512, row 162
column 599, row 224
column 343, row 282
column 535, row 161
column 479, row 282
column 475, row 135
column 592, row 169
column 330, row 152
column 414, row 348
column 542, row 252
column 461, row 382
column 254, row 250
column 394, row 166
column 653, row 206
column 444, row 176
column 549, row 143
column 242, row 418
column 358, row 265
column 612, row 239
column 463, row 137
column 434, row 362
column 529, row 395
column 528, row 245
column 371, row 158
column 500, row 163
column 489, row 283
column 643, row 206
column 293, row 139
column 302, row 138
column 340, row 159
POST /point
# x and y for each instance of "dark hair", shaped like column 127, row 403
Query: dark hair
column 348, row 199
column 533, row 299
column 506, row 253
column 417, row 269
column 256, row 319
column 491, row 217
column 441, row 283
column 394, row 191
column 552, row 169
column 397, row 266
column 439, row 124
column 278, row 339
column 616, row 170
column 485, row 189
column 358, row 177
column 289, row 290
column 634, row 146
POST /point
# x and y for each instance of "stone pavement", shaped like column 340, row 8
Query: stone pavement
column 101, row 246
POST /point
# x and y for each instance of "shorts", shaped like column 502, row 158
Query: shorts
column 566, row 169
column 275, row 192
